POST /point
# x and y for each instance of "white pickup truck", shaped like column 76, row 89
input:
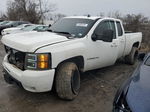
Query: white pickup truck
column 38, row 61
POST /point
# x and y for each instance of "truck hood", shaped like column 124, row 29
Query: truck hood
column 30, row 41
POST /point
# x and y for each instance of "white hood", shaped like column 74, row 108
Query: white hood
column 29, row 42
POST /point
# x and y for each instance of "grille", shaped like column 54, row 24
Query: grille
column 15, row 57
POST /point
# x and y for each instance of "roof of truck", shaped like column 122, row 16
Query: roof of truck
column 92, row 17
column 84, row 17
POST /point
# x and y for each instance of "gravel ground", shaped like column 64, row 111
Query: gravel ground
column 98, row 88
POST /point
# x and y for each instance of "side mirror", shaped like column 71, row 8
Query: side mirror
column 106, row 36
column 94, row 37
column 141, row 56
column 49, row 25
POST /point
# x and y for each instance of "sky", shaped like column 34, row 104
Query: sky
column 95, row 7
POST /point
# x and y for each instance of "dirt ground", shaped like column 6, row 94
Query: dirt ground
column 98, row 88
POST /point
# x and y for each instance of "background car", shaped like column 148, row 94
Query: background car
column 33, row 28
column 134, row 94
column 12, row 24
column 4, row 22
column 14, row 29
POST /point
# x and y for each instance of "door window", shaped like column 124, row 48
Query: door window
column 103, row 26
column 106, row 25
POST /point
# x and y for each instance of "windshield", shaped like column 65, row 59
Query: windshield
column 41, row 28
column 21, row 26
column 74, row 26
column 29, row 28
column 9, row 23
column 3, row 23
column 148, row 61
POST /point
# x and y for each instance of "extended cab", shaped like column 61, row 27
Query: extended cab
column 39, row 61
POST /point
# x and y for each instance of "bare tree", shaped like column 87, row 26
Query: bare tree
column 138, row 23
column 115, row 14
column 101, row 14
column 58, row 16
column 134, row 22
column 28, row 10
column 45, row 9
column 2, row 16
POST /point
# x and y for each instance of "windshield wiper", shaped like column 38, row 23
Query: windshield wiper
column 67, row 34
column 63, row 32
column 49, row 30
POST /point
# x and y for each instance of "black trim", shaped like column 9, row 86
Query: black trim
column 11, row 80
column 92, row 58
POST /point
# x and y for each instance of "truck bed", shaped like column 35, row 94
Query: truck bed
column 132, row 38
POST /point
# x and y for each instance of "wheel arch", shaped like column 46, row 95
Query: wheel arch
column 136, row 44
column 78, row 60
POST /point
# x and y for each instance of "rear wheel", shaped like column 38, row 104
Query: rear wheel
column 132, row 57
column 67, row 81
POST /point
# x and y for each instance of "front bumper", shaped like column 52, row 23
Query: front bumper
column 34, row 81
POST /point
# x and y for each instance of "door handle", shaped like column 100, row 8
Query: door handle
column 114, row 45
column 121, row 40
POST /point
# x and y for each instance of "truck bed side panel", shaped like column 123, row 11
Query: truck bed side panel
column 131, row 39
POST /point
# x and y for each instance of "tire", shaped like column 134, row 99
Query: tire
column 67, row 81
column 132, row 57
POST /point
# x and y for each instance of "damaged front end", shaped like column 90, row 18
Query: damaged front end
column 15, row 57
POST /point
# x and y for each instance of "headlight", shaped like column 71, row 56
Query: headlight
column 38, row 61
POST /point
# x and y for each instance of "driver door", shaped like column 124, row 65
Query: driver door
column 103, row 53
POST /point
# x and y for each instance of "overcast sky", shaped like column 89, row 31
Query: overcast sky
column 94, row 7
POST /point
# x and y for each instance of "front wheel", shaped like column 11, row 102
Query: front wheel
column 67, row 81
column 132, row 57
